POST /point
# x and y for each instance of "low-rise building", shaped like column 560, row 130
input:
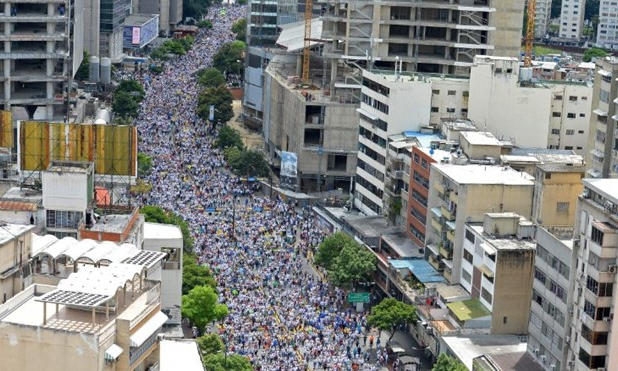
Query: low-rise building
column 556, row 187
column 15, row 268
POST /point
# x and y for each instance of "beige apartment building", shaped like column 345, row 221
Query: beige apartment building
column 556, row 187
column 104, row 318
column 15, row 269
column 461, row 194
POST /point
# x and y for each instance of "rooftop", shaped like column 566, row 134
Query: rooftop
column 420, row 268
column 484, row 174
column 115, row 223
column 180, row 355
column 23, row 195
column 550, row 155
column 161, row 231
column 503, row 243
column 401, row 244
column 508, row 351
column 70, row 167
column 458, row 124
column 292, row 35
column 10, row 231
column 481, row 138
column 608, row 188
column 468, row 309
column 138, row 19
column 562, row 168
column 453, row 293
column 436, row 154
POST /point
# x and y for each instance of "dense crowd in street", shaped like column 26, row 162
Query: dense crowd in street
column 282, row 315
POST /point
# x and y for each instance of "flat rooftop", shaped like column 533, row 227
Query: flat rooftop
column 111, row 223
column 562, row 168
column 508, row 351
column 23, row 195
column 481, row 138
column 180, row 355
column 436, row 154
column 9, row 231
column 70, row 167
column 156, row 231
column 545, row 155
column 608, row 188
column 402, row 245
column 139, row 19
column 484, row 174
column 504, row 243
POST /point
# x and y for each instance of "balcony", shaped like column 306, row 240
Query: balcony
column 454, row 197
column 446, row 253
column 434, row 262
column 450, row 235
column 449, row 215
column 439, row 187
column 447, row 275
column 437, row 226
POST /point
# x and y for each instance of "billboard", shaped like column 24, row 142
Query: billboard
column 139, row 30
column 289, row 169
column 112, row 148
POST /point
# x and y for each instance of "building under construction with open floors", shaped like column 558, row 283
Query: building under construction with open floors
column 42, row 50
column 428, row 36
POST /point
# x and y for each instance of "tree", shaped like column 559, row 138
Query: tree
column 210, row 77
column 228, row 137
column 221, row 98
column 194, row 275
column 133, row 87
column 124, row 105
column 144, row 163
column 210, row 344
column 330, row 248
column 229, row 58
column 594, row 53
column 353, row 265
column 251, row 163
column 240, row 29
column 197, row 8
column 446, row 363
column 204, row 23
column 201, row 306
column 232, row 156
column 391, row 313
column 155, row 214
column 83, row 72
column 231, row 362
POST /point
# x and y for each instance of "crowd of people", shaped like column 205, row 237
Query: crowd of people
column 282, row 314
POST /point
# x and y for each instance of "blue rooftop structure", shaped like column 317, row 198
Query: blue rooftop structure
column 424, row 139
column 420, row 268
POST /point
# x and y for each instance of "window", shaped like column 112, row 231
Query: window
column 570, row 115
column 584, row 98
column 419, row 197
column 466, row 276
column 573, row 98
column 570, row 132
column 555, row 131
column 450, row 110
column 604, row 96
column 469, row 236
column 596, row 235
column 417, row 158
column 451, row 92
column 424, row 163
column 568, row 147
column 558, row 97
column 562, row 207
column 486, row 295
column 435, row 109
column 418, row 215
column 435, row 92
column 539, row 275
column 421, row 180
column 580, row 132
column 556, row 114
column 468, row 256
column 582, row 115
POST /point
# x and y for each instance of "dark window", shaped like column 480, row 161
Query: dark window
column 469, row 236
column 596, row 235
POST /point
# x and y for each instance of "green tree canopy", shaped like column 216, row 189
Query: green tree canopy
column 155, row 214
column 330, row 248
column 594, row 53
column 446, row 363
column 201, row 306
column 83, row 72
column 228, row 58
column 353, row 265
column 194, row 275
column 240, row 29
column 210, row 77
column 391, row 313
column 197, row 8
column 204, row 23
column 133, row 87
column 251, row 163
column 221, row 98
column 233, row 362
column 228, row 137
column 144, row 163
column 232, row 156
column 124, row 105
column 210, row 344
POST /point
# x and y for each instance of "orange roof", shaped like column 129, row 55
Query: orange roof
column 101, row 196
column 17, row 206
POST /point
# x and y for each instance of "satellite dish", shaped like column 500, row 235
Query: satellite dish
column 432, row 151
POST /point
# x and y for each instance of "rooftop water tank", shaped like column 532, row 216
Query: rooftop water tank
column 106, row 71
column 94, row 69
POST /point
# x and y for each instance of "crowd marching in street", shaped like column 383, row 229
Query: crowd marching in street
column 282, row 314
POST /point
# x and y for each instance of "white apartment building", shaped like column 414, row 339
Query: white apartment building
column 607, row 31
column 549, row 331
column 542, row 18
column 593, row 343
column 572, row 19
column 513, row 107
column 389, row 105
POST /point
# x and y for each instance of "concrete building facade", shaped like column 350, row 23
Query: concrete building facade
column 497, row 264
column 602, row 137
column 14, row 259
column 572, row 19
column 549, row 330
column 43, row 48
column 542, row 18
column 556, row 187
column 461, row 194
column 607, row 31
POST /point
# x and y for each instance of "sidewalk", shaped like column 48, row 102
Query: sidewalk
column 402, row 339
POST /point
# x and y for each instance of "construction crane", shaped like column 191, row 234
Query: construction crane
column 530, row 33
column 307, row 39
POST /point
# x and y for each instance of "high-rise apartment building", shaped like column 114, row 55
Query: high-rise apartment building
column 593, row 340
column 112, row 16
column 425, row 36
column 542, row 18
column 572, row 19
column 602, row 161
column 607, row 30
column 43, row 47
